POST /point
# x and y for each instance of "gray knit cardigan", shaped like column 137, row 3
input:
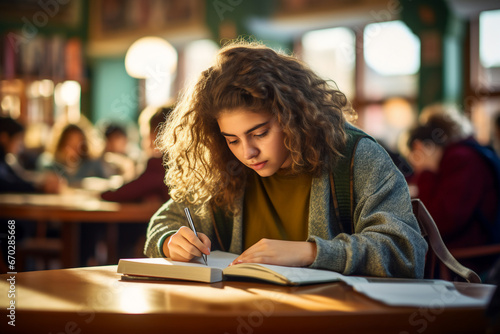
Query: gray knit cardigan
column 386, row 241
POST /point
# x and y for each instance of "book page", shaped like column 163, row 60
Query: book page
column 289, row 275
column 218, row 259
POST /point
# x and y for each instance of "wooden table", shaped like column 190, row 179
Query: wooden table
column 71, row 209
column 95, row 300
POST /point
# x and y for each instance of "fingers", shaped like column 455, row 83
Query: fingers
column 260, row 252
column 279, row 252
column 184, row 245
column 206, row 241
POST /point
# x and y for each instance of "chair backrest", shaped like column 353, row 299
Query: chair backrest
column 437, row 248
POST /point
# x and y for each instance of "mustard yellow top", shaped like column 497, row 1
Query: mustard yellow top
column 276, row 207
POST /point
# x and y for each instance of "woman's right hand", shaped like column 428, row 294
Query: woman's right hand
column 184, row 245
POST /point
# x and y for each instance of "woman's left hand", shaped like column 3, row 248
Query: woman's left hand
column 279, row 252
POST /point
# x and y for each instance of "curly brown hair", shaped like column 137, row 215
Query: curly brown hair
column 201, row 167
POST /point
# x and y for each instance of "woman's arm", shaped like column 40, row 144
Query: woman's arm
column 167, row 224
column 386, row 240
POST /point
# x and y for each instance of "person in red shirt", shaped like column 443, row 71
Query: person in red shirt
column 453, row 180
column 149, row 186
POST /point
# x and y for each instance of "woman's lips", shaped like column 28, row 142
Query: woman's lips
column 258, row 166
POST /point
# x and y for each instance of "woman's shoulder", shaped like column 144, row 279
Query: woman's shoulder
column 362, row 146
column 370, row 154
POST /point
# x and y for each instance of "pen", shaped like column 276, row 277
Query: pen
column 188, row 215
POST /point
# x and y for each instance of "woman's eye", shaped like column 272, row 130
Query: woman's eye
column 263, row 134
column 232, row 142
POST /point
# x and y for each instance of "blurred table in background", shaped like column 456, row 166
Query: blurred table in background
column 71, row 209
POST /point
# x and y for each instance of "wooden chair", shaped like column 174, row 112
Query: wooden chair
column 437, row 248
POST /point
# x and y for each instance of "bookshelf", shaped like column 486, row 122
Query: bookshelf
column 34, row 72
column 42, row 46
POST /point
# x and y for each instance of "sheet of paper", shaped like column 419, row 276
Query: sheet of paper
column 419, row 295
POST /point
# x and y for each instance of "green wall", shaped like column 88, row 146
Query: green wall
column 114, row 92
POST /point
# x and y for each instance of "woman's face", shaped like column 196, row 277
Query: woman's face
column 256, row 139
column 73, row 148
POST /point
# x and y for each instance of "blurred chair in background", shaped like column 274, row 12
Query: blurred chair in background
column 439, row 262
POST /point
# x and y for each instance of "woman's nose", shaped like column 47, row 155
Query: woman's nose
column 250, row 151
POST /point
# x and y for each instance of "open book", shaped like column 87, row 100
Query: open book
column 218, row 269
column 391, row 291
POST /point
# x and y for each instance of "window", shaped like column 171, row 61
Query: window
column 382, row 82
column 483, row 97
column 331, row 54
column 198, row 56
column 389, row 84
column 489, row 47
column 392, row 56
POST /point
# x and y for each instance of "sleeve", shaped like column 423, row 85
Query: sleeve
column 11, row 182
column 167, row 220
column 386, row 241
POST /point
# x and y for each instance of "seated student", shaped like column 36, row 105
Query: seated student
column 115, row 156
column 70, row 157
column 251, row 149
column 11, row 137
column 452, row 179
column 149, row 186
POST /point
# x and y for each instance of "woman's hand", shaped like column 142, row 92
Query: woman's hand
column 184, row 245
column 279, row 252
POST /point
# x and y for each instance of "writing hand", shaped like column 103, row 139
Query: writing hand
column 279, row 252
column 184, row 245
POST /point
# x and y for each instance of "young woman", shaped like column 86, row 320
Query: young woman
column 251, row 149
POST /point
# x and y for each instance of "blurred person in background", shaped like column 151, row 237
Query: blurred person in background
column 70, row 156
column 12, row 176
column 115, row 156
column 149, row 186
column 453, row 180
column 14, row 179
